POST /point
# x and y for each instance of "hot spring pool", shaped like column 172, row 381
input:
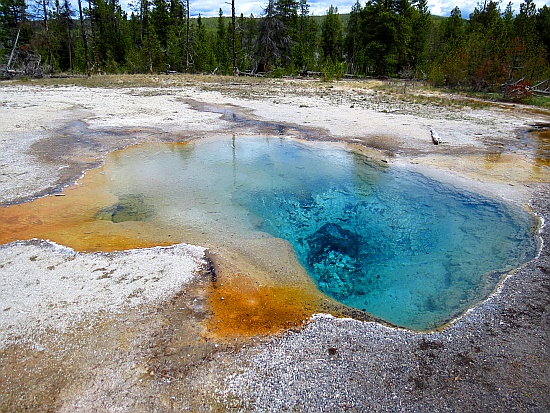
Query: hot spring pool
column 379, row 238
column 404, row 247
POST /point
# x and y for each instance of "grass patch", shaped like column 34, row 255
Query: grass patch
column 539, row 101
column 138, row 80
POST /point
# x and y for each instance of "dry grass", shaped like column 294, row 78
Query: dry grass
column 405, row 91
column 140, row 80
column 393, row 89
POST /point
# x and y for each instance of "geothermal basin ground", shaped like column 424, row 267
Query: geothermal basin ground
column 142, row 324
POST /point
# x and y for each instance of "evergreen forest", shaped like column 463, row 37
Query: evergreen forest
column 491, row 48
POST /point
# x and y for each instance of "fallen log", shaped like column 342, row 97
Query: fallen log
column 435, row 137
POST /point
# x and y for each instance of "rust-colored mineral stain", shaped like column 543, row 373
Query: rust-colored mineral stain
column 70, row 220
column 239, row 305
column 543, row 149
column 242, row 306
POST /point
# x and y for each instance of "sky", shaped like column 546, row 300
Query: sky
column 319, row 7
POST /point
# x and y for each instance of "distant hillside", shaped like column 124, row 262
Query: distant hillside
column 211, row 23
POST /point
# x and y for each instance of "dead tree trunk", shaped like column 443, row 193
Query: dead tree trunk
column 187, row 37
column 47, row 30
column 94, row 40
column 84, row 40
column 235, row 69
column 13, row 49
column 68, row 22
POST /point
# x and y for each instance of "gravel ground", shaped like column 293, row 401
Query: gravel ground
column 127, row 331
column 49, row 287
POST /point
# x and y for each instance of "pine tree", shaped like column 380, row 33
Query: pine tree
column 543, row 28
column 223, row 45
column 286, row 12
column 62, row 39
column 169, row 21
column 487, row 47
column 202, row 55
column 110, row 35
column 84, row 39
column 304, row 51
column 353, row 44
column 94, row 41
column 273, row 42
column 42, row 40
column 332, row 35
column 421, row 27
column 450, row 58
column 528, row 51
column 381, row 36
column 248, row 33
column 161, row 21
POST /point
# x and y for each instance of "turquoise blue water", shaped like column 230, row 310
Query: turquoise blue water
column 408, row 249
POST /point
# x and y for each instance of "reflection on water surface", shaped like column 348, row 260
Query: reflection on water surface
column 394, row 243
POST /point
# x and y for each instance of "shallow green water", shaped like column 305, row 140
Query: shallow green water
column 397, row 244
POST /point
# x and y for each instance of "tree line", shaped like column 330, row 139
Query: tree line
column 490, row 47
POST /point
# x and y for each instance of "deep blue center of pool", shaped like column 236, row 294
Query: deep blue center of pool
column 404, row 247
